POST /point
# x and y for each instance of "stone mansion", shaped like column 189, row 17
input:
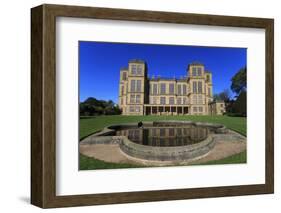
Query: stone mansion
column 192, row 94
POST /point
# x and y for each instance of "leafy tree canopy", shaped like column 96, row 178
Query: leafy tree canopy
column 239, row 81
column 223, row 96
column 92, row 106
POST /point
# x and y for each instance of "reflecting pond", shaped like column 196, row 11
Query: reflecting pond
column 165, row 135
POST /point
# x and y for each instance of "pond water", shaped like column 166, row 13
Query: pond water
column 165, row 135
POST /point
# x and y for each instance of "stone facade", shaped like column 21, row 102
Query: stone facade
column 140, row 95
column 217, row 107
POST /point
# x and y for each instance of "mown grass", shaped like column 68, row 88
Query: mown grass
column 89, row 125
column 87, row 163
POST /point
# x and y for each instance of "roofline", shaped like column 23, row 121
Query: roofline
column 140, row 61
column 168, row 79
column 124, row 69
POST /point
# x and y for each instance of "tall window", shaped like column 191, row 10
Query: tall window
column 133, row 85
column 193, row 71
column 124, row 76
column 131, row 109
column 135, row 99
column 138, row 86
column 194, row 87
column 122, row 90
column 138, row 97
column 137, row 109
column 199, row 87
column 139, row 70
column 162, row 88
column 132, row 99
column 171, row 88
column 121, row 101
column 171, row 101
column 162, row 100
column 184, row 89
column 134, row 69
column 171, row 132
column 199, row 71
column 179, row 89
column 194, row 109
column 184, row 100
column 178, row 101
column 162, row 132
column 154, row 89
column 209, row 91
column 179, row 131
column 200, row 109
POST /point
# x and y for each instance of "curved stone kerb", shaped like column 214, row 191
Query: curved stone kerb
column 175, row 153
column 167, row 153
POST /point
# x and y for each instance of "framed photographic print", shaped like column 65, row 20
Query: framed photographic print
column 137, row 106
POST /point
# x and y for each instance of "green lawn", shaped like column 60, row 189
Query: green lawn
column 89, row 125
column 87, row 163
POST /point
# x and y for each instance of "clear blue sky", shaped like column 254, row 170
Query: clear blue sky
column 100, row 63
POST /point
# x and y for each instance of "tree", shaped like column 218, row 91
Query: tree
column 92, row 106
column 216, row 97
column 239, row 81
column 223, row 96
column 240, row 105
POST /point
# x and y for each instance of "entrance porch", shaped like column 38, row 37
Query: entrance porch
column 166, row 110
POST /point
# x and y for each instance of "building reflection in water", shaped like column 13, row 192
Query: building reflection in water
column 165, row 136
